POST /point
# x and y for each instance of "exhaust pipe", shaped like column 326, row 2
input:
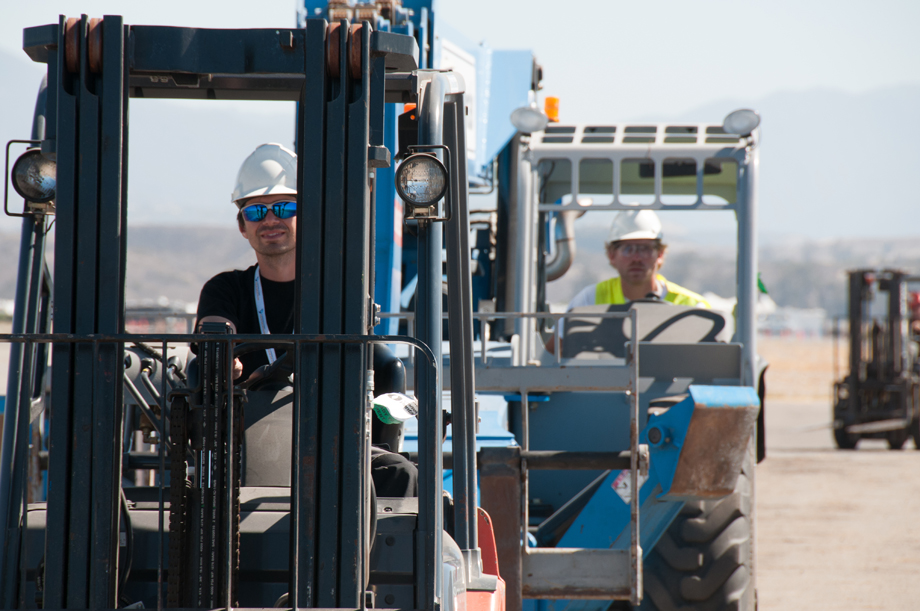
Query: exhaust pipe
column 564, row 240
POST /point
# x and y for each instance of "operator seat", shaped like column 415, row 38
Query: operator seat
column 268, row 416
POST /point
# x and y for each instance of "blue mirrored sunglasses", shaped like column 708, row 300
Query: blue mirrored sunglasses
column 257, row 212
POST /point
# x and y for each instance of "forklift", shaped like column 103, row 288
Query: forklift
column 880, row 396
column 165, row 484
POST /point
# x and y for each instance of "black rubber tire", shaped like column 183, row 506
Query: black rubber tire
column 705, row 560
column 915, row 432
column 844, row 440
column 897, row 439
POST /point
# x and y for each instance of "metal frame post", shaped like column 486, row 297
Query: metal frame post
column 747, row 261
column 858, row 289
column 428, row 330
column 333, row 284
column 311, row 172
column 460, row 326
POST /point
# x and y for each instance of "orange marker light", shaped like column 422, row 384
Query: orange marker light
column 551, row 108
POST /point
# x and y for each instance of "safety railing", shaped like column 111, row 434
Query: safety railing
column 603, row 571
column 481, row 346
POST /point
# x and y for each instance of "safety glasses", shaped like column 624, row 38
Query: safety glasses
column 642, row 250
column 257, row 212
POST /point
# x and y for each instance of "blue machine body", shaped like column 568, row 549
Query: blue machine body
column 604, row 521
column 497, row 82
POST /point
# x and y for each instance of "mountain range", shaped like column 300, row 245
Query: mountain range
column 170, row 264
column 833, row 164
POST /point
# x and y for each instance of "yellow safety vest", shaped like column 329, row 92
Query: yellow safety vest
column 611, row 291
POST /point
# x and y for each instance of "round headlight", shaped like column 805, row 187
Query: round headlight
column 421, row 180
column 742, row 122
column 35, row 177
column 528, row 120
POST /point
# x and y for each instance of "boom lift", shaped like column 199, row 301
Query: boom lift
column 880, row 396
column 227, row 518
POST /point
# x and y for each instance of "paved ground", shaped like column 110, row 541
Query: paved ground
column 836, row 530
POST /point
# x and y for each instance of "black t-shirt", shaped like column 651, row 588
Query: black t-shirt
column 232, row 296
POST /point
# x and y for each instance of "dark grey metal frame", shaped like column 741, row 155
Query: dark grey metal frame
column 24, row 384
column 339, row 136
column 865, row 411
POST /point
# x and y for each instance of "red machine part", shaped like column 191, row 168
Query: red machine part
column 487, row 601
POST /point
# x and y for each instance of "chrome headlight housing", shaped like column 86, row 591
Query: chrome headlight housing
column 34, row 177
column 421, row 180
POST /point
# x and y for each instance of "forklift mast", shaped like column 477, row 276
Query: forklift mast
column 878, row 342
column 880, row 396
column 341, row 75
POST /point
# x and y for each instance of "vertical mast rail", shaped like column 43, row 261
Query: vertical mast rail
column 60, row 84
column 428, row 550
column 460, row 325
column 330, row 450
column 356, row 302
column 108, row 410
column 311, row 180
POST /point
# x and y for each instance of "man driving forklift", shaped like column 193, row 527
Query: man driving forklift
column 260, row 299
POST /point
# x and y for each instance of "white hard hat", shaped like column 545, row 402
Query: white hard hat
column 270, row 170
column 635, row 225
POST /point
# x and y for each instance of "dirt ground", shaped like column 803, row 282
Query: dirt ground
column 836, row 530
column 801, row 369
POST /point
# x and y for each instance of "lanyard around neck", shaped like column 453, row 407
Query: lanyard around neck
column 260, row 310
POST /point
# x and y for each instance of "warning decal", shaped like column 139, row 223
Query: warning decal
column 622, row 485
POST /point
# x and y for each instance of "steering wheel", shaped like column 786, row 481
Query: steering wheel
column 609, row 335
column 276, row 374
column 718, row 323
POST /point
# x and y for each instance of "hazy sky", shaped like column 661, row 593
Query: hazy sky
column 613, row 61
column 611, row 58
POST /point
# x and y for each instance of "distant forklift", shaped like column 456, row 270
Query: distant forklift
column 880, row 396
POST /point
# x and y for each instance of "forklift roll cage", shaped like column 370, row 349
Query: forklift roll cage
column 666, row 167
column 586, row 168
column 341, row 75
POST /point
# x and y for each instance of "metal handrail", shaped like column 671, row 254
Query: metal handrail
column 489, row 316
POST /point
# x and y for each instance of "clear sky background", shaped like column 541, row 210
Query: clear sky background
column 837, row 83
